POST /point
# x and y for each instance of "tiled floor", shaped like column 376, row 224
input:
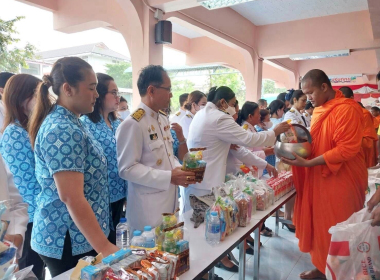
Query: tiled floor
column 280, row 258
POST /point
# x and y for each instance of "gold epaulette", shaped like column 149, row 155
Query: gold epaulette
column 162, row 113
column 138, row 114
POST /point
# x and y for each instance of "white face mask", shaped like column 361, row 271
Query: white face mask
column 268, row 124
column 124, row 114
column 201, row 107
column 230, row 110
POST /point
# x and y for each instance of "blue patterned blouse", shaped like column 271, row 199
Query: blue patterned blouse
column 106, row 138
column 175, row 143
column 64, row 144
column 18, row 154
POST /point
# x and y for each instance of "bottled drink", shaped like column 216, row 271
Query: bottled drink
column 123, row 234
column 149, row 237
column 137, row 240
column 169, row 244
column 213, row 229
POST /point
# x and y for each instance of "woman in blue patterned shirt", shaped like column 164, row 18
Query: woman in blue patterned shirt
column 19, row 100
column 102, row 124
column 72, row 216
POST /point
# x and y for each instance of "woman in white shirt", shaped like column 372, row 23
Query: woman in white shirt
column 17, row 215
column 298, row 102
column 195, row 102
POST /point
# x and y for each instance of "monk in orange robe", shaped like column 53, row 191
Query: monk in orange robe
column 331, row 183
column 369, row 143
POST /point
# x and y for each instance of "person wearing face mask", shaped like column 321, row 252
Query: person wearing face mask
column 195, row 102
column 265, row 122
column 123, row 109
column 72, row 216
column 215, row 129
column 298, row 102
column 19, row 100
column 102, row 124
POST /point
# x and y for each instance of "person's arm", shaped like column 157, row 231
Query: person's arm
column 248, row 158
column 129, row 145
column 229, row 131
column 70, row 186
column 182, row 146
column 348, row 138
column 18, row 214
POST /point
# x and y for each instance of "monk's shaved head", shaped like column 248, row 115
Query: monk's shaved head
column 347, row 92
column 317, row 77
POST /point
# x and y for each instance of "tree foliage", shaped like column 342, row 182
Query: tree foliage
column 179, row 87
column 12, row 58
column 117, row 71
column 269, row 87
column 231, row 79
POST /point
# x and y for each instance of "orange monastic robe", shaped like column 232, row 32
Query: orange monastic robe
column 369, row 139
column 376, row 122
column 329, row 194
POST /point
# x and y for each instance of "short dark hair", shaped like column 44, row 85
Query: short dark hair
column 4, row 77
column 261, row 101
column 281, row 96
column 347, row 92
column 122, row 99
column 102, row 89
column 308, row 105
column 317, row 77
column 377, row 109
column 183, row 99
column 150, row 75
column 297, row 94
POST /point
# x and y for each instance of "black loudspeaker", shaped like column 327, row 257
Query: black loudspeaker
column 163, row 32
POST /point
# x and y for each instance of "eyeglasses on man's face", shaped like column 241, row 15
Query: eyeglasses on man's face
column 115, row 94
column 169, row 89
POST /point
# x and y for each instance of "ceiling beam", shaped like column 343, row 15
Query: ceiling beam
column 374, row 12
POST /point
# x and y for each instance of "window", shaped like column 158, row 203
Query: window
column 34, row 69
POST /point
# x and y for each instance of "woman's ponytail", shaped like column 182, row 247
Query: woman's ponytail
column 211, row 94
column 239, row 119
column 42, row 108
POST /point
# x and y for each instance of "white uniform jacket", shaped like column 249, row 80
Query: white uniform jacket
column 176, row 118
column 145, row 158
column 296, row 117
column 307, row 117
column 17, row 215
column 185, row 123
column 216, row 130
column 2, row 116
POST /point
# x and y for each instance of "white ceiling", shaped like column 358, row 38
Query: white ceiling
column 184, row 31
column 261, row 12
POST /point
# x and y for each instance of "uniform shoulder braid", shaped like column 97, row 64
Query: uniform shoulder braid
column 189, row 116
column 291, row 111
column 178, row 113
column 162, row 113
column 138, row 114
column 245, row 126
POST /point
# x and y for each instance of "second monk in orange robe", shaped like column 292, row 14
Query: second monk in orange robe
column 369, row 143
column 330, row 184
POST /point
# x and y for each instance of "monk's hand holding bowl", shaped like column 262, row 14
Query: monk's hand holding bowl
column 298, row 161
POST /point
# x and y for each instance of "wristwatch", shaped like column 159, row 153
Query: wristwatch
column 183, row 142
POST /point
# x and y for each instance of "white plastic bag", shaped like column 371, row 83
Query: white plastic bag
column 354, row 252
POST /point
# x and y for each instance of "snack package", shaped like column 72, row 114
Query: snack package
column 252, row 202
column 193, row 161
column 168, row 220
column 230, row 177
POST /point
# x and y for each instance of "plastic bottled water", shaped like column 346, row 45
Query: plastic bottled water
column 213, row 229
column 149, row 236
column 123, row 234
column 137, row 240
